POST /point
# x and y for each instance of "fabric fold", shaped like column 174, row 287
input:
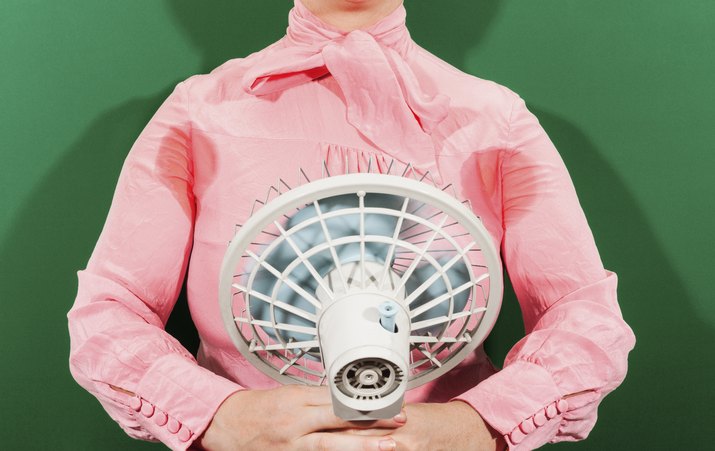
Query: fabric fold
column 384, row 100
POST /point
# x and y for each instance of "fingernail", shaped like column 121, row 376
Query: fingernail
column 400, row 417
column 388, row 445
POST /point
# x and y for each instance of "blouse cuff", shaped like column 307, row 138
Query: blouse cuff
column 521, row 402
column 177, row 399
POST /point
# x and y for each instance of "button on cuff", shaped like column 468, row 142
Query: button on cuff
column 516, row 436
column 527, row 426
column 551, row 411
column 160, row 418
column 562, row 406
column 173, row 426
column 147, row 409
column 184, row 434
column 539, row 419
column 135, row 403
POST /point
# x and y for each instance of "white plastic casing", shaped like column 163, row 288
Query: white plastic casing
column 353, row 340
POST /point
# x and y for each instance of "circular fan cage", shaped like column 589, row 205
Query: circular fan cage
column 404, row 237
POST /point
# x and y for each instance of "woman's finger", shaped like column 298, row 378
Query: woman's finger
column 322, row 418
column 323, row 441
column 371, row 431
column 315, row 396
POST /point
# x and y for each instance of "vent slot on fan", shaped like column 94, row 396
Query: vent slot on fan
column 367, row 379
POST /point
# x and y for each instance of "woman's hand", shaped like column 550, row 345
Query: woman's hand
column 450, row 426
column 291, row 417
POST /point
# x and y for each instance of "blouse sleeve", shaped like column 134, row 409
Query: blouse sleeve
column 576, row 344
column 120, row 352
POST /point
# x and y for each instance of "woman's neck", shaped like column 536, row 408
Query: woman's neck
column 349, row 15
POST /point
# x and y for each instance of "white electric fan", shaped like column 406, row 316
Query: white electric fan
column 370, row 283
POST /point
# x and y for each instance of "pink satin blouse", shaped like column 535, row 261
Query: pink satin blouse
column 220, row 140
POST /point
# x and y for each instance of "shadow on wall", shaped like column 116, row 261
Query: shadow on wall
column 224, row 29
column 451, row 28
column 61, row 221
column 661, row 402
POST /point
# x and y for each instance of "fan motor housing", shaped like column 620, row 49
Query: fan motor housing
column 366, row 363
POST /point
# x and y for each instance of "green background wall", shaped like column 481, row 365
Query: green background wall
column 625, row 89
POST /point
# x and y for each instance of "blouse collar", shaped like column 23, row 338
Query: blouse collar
column 305, row 28
column 384, row 99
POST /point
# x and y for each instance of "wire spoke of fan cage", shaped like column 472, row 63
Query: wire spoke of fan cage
column 283, row 326
column 353, row 238
column 416, row 364
column 407, row 169
column 241, row 317
column 413, row 212
column 266, row 232
column 427, row 231
column 293, row 363
column 333, row 253
column 441, row 272
column 337, row 242
column 415, row 339
column 430, row 356
column 406, row 255
column 442, row 238
column 315, row 250
column 284, row 279
column 441, row 346
column 361, row 200
column 370, row 239
column 420, row 255
column 427, row 175
column 440, row 299
column 272, row 324
column 395, row 235
column 430, row 281
column 410, row 247
column 428, row 218
column 355, row 211
column 302, row 172
column 304, row 260
column 303, row 345
column 271, row 301
column 444, row 319
column 481, row 288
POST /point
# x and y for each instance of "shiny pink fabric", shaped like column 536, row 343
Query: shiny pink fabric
column 221, row 140
column 383, row 97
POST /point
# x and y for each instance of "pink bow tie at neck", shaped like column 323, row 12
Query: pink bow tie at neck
column 384, row 100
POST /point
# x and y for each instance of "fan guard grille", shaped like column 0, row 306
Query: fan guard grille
column 430, row 224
